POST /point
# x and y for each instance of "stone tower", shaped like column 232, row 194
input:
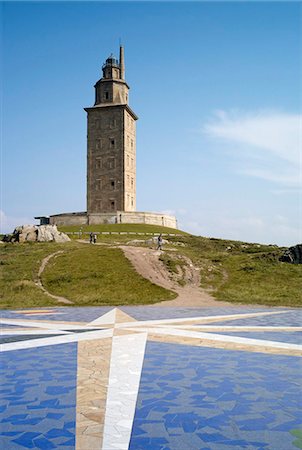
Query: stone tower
column 111, row 158
column 111, row 143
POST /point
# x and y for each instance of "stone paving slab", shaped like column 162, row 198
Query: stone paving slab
column 151, row 378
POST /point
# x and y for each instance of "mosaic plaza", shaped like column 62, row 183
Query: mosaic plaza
column 151, row 378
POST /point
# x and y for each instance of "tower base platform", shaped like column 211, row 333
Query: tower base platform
column 82, row 218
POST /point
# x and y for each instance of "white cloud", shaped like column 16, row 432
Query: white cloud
column 267, row 144
column 9, row 223
column 272, row 229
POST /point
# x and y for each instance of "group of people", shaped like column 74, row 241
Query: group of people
column 92, row 238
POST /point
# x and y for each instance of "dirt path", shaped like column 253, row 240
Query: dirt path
column 147, row 263
column 39, row 281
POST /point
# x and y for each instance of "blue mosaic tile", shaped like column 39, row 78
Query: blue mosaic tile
column 190, row 398
column 44, row 444
column 9, row 433
column 36, row 404
column 26, row 439
column 55, row 416
column 70, row 443
column 58, row 432
column 227, row 390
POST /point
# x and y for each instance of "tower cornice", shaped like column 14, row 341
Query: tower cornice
column 110, row 106
column 111, row 80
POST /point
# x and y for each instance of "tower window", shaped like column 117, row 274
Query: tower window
column 132, row 182
column 112, row 184
column 106, row 95
column 111, row 163
column 98, row 144
column 112, row 204
column 112, row 143
column 99, row 184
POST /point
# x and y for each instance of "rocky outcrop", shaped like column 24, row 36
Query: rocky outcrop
column 292, row 255
column 37, row 233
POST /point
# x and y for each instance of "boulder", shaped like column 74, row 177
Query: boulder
column 154, row 241
column 292, row 255
column 37, row 233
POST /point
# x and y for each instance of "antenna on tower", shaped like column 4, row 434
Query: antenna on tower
column 122, row 63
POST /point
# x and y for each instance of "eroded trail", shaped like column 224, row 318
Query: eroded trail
column 147, row 263
column 39, row 280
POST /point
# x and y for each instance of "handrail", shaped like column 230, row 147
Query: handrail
column 121, row 232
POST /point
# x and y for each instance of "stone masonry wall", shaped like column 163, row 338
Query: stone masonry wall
column 105, row 189
column 67, row 219
column 118, row 217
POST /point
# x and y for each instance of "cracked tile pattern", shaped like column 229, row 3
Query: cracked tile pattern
column 92, row 382
column 124, row 380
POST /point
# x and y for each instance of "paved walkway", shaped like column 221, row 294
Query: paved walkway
column 147, row 378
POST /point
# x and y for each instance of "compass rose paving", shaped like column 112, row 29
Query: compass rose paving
column 151, row 378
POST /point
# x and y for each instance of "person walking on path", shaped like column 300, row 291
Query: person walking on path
column 91, row 238
column 94, row 238
column 159, row 242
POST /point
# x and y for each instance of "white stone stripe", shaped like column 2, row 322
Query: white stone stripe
column 221, row 338
column 31, row 332
column 127, row 357
column 65, row 339
column 233, row 328
column 105, row 319
column 49, row 325
column 184, row 320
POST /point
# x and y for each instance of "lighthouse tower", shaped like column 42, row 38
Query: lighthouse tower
column 111, row 157
column 111, row 143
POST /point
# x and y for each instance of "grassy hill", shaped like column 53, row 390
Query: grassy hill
column 101, row 275
column 244, row 272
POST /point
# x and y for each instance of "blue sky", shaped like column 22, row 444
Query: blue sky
column 216, row 86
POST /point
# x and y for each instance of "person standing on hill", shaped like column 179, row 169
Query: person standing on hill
column 159, row 242
column 91, row 238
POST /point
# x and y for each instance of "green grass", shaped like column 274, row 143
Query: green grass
column 132, row 231
column 122, row 227
column 93, row 275
column 87, row 275
column 243, row 272
column 19, row 265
